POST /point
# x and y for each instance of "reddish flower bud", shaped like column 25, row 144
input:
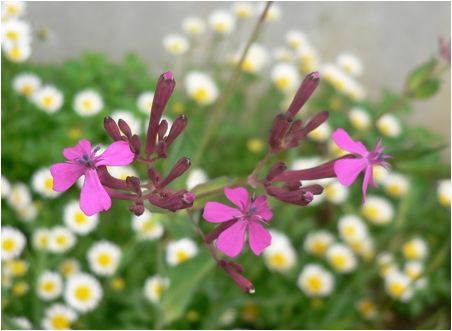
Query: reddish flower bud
column 178, row 169
column 275, row 170
column 315, row 122
column 135, row 144
column 108, row 180
column 162, row 149
column 154, row 176
column 125, row 128
column 279, row 128
column 176, row 129
column 163, row 127
column 137, row 208
column 163, row 91
column 305, row 90
column 112, row 128
column 134, row 184
column 233, row 271
column 173, row 201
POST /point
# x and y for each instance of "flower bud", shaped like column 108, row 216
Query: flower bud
column 305, row 90
column 112, row 128
column 125, row 128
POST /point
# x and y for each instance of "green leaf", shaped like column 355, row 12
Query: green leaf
column 184, row 280
column 432, row 171
column 205, row 191
column 414, row 153
column 426, row 89
column 419, row 75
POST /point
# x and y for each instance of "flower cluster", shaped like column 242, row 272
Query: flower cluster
column 16, row 33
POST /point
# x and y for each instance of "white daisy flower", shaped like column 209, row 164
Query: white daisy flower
column 15, row 32
column 27, row 213
column 122, row 172
column 13, row 243
column 386, row 264
column 243, row 10
column 308, row 59
column 282, row 54
column 26, row 84
column 413, row 269
column 396, row 185
column 59, row 317
column 378, row 210
column 154, row 287
column 104, row 257
column 389, row 126
column 76, row 220
column 49, row 285
column 69, row 267
column 280, row 255
column 13, row 9
column 201, row 88
column 88, row 103
column 334, row 75
column 273, row 13
column 415, row 249
column 83, row 292
column 352, row 228
column 335, row 192
column 17, row 52
column 256, row 59
column 398, row 286
column 61, row 239
column 22, row 322
column 148, row 226
column 315, row 281
column 48, row 98
column 180, row 251
column 193, row 26
column 16, row 268
column 285, row 76
column 359, row 118
column 196, row 177
column 350, row 64
column 144, row 102
column 133, row 122
column 321, row 134
column 19, row 196
column 221, row 22
column 341, row 258
column 443, row 192
column 42, row 183
column 41, row 239
column 6, row 187
column 176, row 44
column 318, row 242
column 295, row 39
column 380, row 174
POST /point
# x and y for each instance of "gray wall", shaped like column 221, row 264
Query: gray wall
column 390, row 37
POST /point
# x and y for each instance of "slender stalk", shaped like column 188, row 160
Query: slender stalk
column 224, row 97
column 201, row 234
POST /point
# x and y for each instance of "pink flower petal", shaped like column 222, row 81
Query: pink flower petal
column 262, row 208
column 343, row 140
column 347, row 170
column 259, row 237
column 238, row 196
column 93, row 198
column 65, row 175
column 231, row 240
column 117, row 154
column 83, row 147
column 216, row 212
column 368, row 178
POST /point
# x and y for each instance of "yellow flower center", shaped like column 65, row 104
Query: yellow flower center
column 20, row 288
column 371, row 212
column 15, row 53
column 444, row 199
column 247, row 65
column 201, row 94
column 148, row 225
column 358, row 123
column 117, row 283
column 12, row 35
column 48, row 286
column 104, row 260
column 243, row 13
column 396, row 289
column 182, row 256
column 278, row 260
column 48, row 183
column 385, row 128
column 8, row 244
column 394, row 190
column 80, row 218
column 17, row 267
column 319, row 247
column 175, row 48
column 220, row 27
column 339, row 261
column 61, row 240
column 48, row 101
column 314, row 283
column 43, row 240
column 349, row 230
column 255, row 145
column 158, row 290
column 26, row 89
column 67, row 269
column 83, row 293
column 87, row 104
column 12, row 9
column 74, row 133
column 410, row 250
column 330, row 191
column 60, row 322
column 178, row 108
column 282, row 82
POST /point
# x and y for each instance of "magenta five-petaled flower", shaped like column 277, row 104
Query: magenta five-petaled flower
column 247, row 219
column 348, row 169
column 83, row 160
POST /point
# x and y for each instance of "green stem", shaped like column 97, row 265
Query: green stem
column 224, row 97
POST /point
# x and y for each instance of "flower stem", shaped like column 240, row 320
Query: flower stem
column 224, row 97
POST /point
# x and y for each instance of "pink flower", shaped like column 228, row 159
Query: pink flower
column 246, row 218
column 82, row 160
column 348, row 169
